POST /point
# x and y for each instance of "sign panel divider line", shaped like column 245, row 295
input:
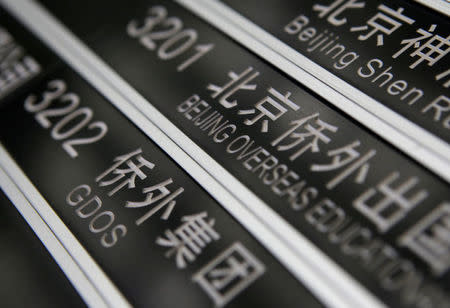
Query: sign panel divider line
column 67, row 264
column 442, row 6
column 77, row 264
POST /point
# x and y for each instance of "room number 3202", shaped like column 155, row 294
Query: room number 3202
column 59, row 110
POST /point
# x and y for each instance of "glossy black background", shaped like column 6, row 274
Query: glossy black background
column 104, row 31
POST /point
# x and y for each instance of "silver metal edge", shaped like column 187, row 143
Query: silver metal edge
column 442, row 6
column 50, row 229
